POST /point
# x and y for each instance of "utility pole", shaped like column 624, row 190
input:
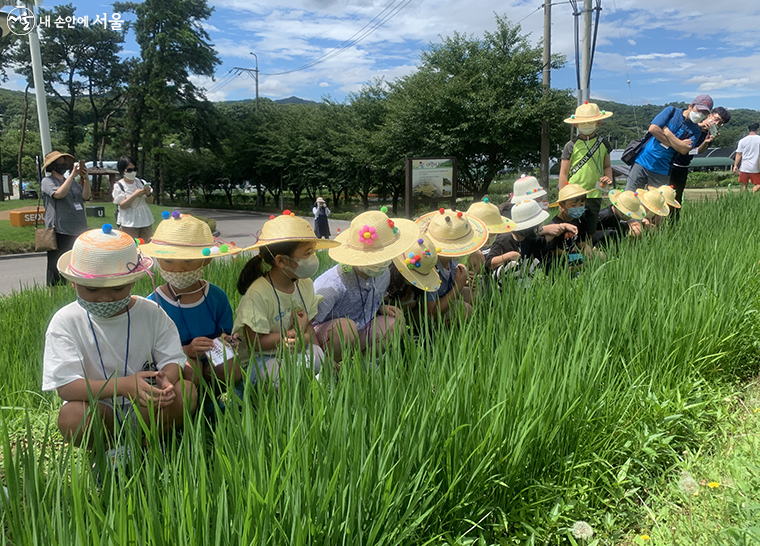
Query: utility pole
column 584, row 92
column 257, row 80
column 546, row 82
column 39, row 89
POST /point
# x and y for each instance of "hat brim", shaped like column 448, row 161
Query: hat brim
column 49, row 162
column 659, row 212
column 532, row 222
column 449, row 249
column 533, row 196
column 574, row 196
column 429, row 282
column 109, row 281
column 178, row 252
column 505, row 227
column 349, row 254
column 632, row 214
column 321, row 243
column 670, row 202
column 600, row 117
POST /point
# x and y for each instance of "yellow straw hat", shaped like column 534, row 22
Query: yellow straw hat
column 654, row 201
column 455, row 233
column 489, row 214
column 570, row 191
column 417, row 265
column 52, row 157
column 628, row 203
column 103, row 258
column 669, row 193
column 588, row 112
column 373, row 238
column 184, row 237
column 289, row 228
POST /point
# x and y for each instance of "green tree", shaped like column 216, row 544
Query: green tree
column 173, row 45
column 481, row 101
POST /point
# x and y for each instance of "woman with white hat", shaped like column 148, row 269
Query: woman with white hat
column 321, row 225
column 352, row 313
column 119, row 349
column 63, row 199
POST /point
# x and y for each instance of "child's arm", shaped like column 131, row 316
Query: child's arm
column 441, row 305
column 564, row 172
column 264, row 342
column 550, row 231
column 496, row 261
column 607, row 178
column 135, row 387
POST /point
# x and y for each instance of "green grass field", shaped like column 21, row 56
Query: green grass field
column 568, row 399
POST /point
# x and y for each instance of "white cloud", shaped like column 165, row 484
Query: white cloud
column 631, row 42
column 651, row 56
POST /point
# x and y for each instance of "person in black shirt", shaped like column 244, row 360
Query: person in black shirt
column 621, row 219
column 572, row 208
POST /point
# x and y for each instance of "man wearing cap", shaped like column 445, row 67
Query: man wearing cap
column 674, row 131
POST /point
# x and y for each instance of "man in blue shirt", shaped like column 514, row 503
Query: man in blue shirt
column 674, row 131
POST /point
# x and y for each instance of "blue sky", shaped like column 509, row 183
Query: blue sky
column 669, row 52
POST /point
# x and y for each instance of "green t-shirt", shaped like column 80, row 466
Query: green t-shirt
column 588, row 175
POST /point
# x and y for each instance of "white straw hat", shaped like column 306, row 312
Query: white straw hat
column 417, row 265
column 103, row 258
column 628, row 203
column 455, row 233
column 373, row 238
column 526, row 187
column 528, row 214
column 491, row 217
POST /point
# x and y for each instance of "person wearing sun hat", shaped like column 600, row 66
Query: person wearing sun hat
column 63, row 199
column 656, row 206
column 352, row 313
column 454, row 234
column 183, row 246
column 621, row 219
column 110, row 346
column 572, row 210
column 586, row 160
column 526, row 187
column 498, row 229
column 278, row 301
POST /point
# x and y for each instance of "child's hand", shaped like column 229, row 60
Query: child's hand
column 460, row 276
column 142, row 391
column 605, row 181
column 388, row 310
column 167, row 389
column 302, row 319
column 200, row 345
column 290, row 340
column 232, row 340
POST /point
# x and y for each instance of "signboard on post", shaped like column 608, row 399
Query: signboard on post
column 430, row 181
column 7, row 185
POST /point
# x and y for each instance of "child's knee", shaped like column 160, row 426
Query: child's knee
column 72, row 421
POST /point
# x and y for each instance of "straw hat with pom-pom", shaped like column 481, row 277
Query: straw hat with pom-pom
column 528, row 214
column 669, row 193
column 184, row 237
column 628, row 203
column 417, row 265
column 103, row 258
column 526, row 187
column 373, row 238
column 489, row 214
column 570, row 191
column 289, row 228
column 455, row 233
column 654, row 201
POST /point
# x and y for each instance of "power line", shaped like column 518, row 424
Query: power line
column 627, row 75
column 357, row 37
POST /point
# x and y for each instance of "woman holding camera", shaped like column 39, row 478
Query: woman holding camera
column 321, row 212
column 132, row 196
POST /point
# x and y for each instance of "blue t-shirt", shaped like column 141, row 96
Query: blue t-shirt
column 656, row 156
column 447, row 281
column 209, row 317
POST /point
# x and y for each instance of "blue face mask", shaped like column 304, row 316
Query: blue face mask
column 576, row 212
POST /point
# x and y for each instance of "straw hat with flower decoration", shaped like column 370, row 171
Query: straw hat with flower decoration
column 654, row 201
column 669, row 193
column 417, row 265
column 373, row 238
column 569, row 191
column 289, row 228
column 103, row 258
column 454, row 233
column 628, row 203
column 489, row 214
column 184, row 237
column 52, row 157
column 588, row 112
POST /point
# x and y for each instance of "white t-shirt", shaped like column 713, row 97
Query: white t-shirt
column 137, row 214
column 71, row 352
column 749, row 147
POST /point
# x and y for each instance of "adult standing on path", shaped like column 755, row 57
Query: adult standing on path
column 321, row 225
column 747, row 161
column 131, row 195
column 674, row 131
column 64, row 207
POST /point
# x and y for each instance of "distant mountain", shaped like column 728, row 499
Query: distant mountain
column 289, row 100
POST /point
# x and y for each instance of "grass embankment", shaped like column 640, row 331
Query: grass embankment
column 560, row 401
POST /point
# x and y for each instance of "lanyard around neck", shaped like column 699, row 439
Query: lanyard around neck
column 279, row 309
column 361, row 295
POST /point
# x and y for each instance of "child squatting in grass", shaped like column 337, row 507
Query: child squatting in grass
column 110, row 347
column 279, row 304
column 183, row 246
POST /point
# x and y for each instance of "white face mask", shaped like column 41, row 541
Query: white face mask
column 587, row 128
column 306, row 268
column 544, row 205
column 374, row 270
column 181, row 279
column 130, row 176
column 697, row 117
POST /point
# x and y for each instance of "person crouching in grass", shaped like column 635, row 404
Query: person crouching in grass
column 110, row 354
column 656, row 206
column 572, row 210
column 621, row 219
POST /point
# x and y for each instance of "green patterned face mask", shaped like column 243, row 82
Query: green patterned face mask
column 103, row 309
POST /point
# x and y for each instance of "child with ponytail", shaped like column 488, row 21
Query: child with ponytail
column 279, row 303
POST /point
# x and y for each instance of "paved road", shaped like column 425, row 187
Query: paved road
column 18, row 272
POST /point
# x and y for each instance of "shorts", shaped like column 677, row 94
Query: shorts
column 264, row 367
column 744, row 178
column 123, row 412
